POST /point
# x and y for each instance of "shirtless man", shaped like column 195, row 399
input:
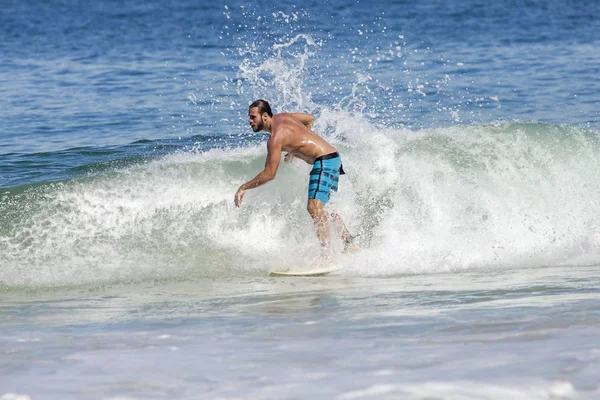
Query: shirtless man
column 291, row 132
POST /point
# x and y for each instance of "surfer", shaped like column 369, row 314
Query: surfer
column 291, row 132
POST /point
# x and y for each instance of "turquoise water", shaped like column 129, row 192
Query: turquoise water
column 469, row 133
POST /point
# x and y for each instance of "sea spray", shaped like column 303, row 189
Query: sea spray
column 492, row 196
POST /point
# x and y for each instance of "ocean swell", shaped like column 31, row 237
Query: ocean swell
column 434, row 200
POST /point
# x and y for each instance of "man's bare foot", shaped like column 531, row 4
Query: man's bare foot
column 350, row 245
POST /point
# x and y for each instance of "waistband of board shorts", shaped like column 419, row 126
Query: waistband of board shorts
column 327, row 156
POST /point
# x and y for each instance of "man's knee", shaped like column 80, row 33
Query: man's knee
column 315, row 208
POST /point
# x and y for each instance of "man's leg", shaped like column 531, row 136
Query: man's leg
column 316, row 211
column 339, row 223
column 350, row 246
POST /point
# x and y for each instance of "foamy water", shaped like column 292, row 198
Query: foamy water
column 526, row 333
column 469, row 133
column 438, row 200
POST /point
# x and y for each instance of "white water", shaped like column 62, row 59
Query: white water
column 505, row 196
column 519, row 334
column 478, row 277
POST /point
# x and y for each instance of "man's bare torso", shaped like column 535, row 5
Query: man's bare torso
column 297, row 139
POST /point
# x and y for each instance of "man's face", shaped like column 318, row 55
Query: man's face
column 255, row 119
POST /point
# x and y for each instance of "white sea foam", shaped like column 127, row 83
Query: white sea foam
column 422, row 201
column 468, row 391
column 14, row 396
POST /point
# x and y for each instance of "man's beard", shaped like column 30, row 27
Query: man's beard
column 258, row 127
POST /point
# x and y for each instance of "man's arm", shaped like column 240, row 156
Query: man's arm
column 306, row 119
column 268, row 174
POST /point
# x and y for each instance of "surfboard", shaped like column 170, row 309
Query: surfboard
column 319, row 271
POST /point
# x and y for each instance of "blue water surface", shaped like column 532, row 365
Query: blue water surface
column 112, row 73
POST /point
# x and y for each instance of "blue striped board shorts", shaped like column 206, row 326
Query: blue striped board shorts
column 324, row 177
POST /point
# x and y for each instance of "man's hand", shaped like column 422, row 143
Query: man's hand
column 239, row 195
column 271, row 164
column 306, row 119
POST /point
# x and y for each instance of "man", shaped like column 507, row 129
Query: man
column 291, row 132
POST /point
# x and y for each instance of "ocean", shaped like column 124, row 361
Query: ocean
column 470, row 135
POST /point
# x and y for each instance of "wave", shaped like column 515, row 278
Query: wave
column 427, row 201
column 25, row 169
